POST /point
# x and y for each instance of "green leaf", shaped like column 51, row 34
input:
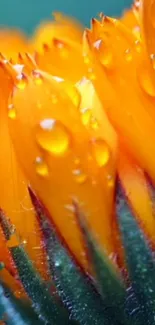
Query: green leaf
column 109, row 281
column 139, row 258
column 74, row 287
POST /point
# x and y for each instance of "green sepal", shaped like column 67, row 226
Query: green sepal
column 13, row 312
column 73, row 286
column 109, row 281
column 139, row 258
column 44, row 304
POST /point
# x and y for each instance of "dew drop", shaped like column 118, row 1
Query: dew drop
column 86, row 116
column 136, row 31
column 79, row 176
column 128, row 55
column 100, row 152
column 53, row 136
column 11, row 112
column 41, row 167
column 146, row 82
column 106, row 57
column 21, row 81
column 38, row 79
column 138, row 46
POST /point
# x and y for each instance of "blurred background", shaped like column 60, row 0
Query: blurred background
column 26, row 14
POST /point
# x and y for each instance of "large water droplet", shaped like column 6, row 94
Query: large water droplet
column 101, row 152
column 41, row 167
column 11, row 112
column 53, row 136
column 79, row 176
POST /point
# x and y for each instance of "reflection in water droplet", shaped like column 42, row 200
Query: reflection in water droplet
column 38, row 79
column 128, row 55
column 53, row 136
column 21, row 81
column 146, row 82
column 106, row 57
column 100, row 152
column 138, row 46
column 79, row 176
column 41, row 167
column 11, row 112
column 86, row 116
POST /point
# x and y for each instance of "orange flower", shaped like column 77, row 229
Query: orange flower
column 80, row 111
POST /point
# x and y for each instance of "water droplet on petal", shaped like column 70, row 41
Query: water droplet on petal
column 53, row 136
column 101, row 152
column 79, row 176
column 41, row 167
column 86, row 116
column 106, row 57
column 21, row 81
column 11, row 112
column 38, row 79
column 128, row 55
column 138, row 46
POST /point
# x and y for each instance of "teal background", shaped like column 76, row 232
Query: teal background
column 26, row 14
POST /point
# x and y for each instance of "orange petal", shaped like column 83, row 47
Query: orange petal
column 12, row 42
column 61, row 160
column 14, row 199
column 128, row 96
column 137, row 191
column 62, row 27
